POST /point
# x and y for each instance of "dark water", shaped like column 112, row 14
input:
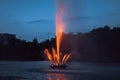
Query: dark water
column 37, row 70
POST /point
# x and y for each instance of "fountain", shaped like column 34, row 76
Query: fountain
column 56, row 58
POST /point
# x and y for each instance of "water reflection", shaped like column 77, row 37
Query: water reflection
column 57, row 76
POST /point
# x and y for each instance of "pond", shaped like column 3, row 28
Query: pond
column 40, row 70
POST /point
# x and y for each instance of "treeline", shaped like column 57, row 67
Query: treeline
column 17, row 49
column 99, row 45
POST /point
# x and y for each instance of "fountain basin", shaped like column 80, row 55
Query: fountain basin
column 60, row 66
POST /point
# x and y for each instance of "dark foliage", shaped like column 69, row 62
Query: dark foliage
column 21, row 50
column 99, row 45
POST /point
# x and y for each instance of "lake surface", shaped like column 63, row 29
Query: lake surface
column 39, row 70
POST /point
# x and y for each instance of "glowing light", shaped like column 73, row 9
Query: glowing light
column 56, row 58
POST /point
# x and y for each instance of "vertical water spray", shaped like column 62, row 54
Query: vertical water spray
column 56, row 58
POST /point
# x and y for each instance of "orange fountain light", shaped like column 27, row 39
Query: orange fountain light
column 56, row 58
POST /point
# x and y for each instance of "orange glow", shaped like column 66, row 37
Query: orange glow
column 57, row 76
column 56, row 57
column 59, row 31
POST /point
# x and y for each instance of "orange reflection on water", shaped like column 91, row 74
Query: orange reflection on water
column 56, row 76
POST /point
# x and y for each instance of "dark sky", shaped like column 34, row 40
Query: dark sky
column 35, row 18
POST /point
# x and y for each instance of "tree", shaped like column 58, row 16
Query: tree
column 35, row 41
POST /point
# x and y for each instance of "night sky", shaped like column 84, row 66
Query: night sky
column 35, row 18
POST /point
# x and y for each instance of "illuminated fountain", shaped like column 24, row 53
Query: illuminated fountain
column 56, row 58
